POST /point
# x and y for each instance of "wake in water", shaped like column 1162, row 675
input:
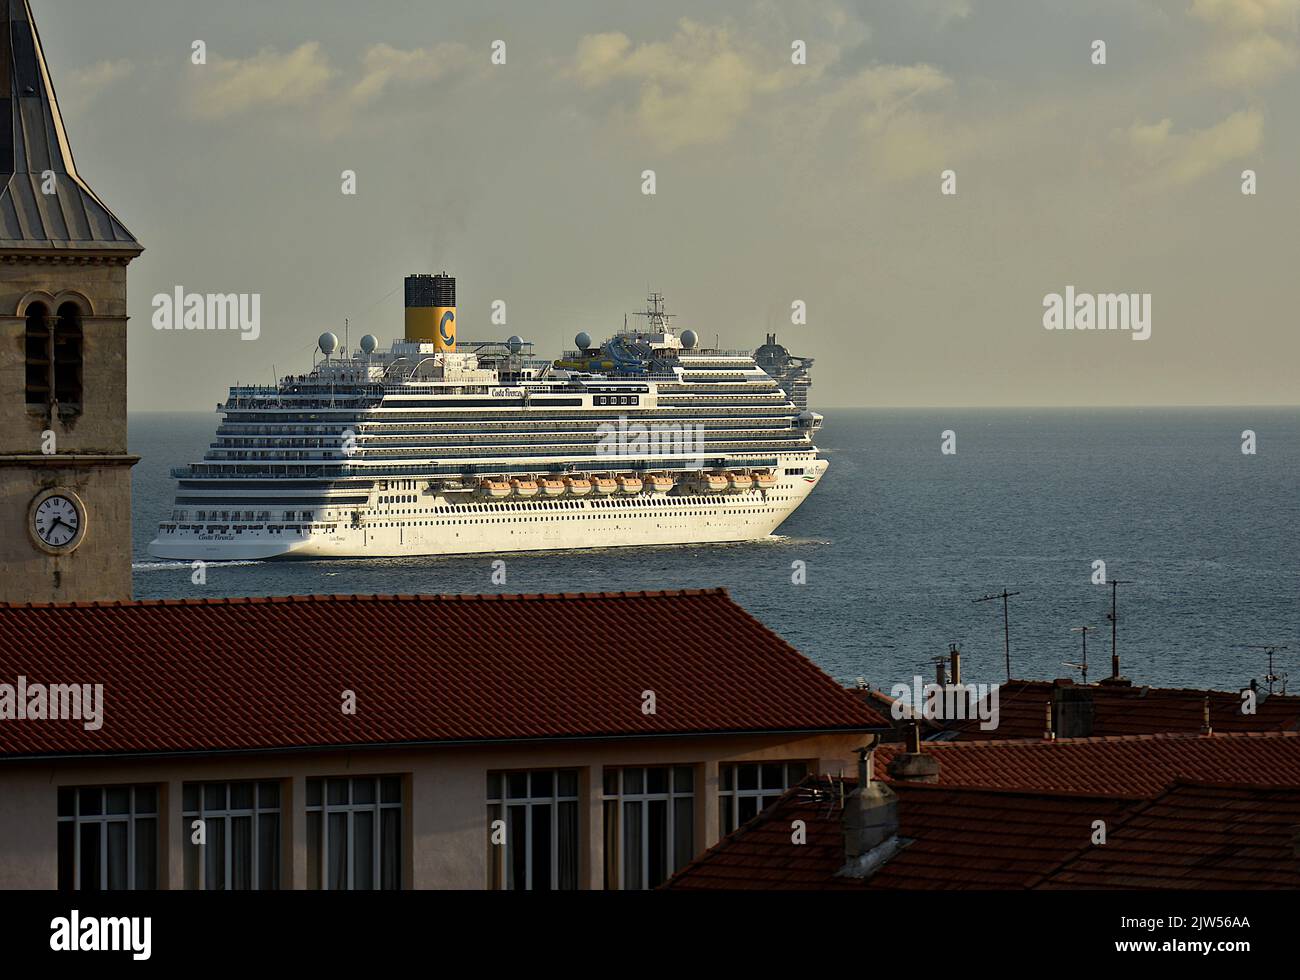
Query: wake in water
column 171, row 566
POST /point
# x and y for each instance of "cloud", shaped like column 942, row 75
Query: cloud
column 1248, row 15
column 230, row 86
column 1248, row 51
column 384, row 65
column 86, row 84
column 1252, row 61
column 1182, row 158
column 693, row 89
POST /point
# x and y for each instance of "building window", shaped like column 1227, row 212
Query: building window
column 748, row 787
column 40, row 356
column 649, row 824
column 354, row 833
column 533, row 829
column 53, row 349
column 108, row 838
column 241, row 836
column 68, row 339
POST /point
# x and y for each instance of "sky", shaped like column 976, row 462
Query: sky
column 775, row 182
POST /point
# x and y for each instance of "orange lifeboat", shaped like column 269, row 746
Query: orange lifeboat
column 629, row 484
column 714, row 482
column 660, row 482
column 740, row 481
column 524, row 487
column 765, row 480
column 604, row 484
column 494, row 489
column 579, row 486
column 551, row 488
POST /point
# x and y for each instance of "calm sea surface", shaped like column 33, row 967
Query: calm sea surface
column 899, row 539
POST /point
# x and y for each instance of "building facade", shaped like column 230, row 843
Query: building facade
column 65, row 472
column 543, row 742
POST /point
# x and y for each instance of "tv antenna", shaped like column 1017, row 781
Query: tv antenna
column 1082, row 667
column 1271, row 649
column 1004, row 595
column 1113, row 616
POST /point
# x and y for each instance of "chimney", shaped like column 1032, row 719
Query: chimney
column 1048, row 733
column 1072, row 710
column 1206, row 728
column 940, row 677
column 871, row 810
column 1115, row 679
column 955, row 655
column 914, row 765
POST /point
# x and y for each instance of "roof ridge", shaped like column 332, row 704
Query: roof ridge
column 1137, row 737
column 371, row 597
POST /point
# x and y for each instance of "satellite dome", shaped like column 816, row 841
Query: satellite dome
column 328, row 343
column 369, row 343
column 583, row 340
column 515, row 343
column 689, row 339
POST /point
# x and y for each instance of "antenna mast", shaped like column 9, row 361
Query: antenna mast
column 1004, row 595
column 654, row 313
column 1271, row 649
column 1082, row 667
column 1113, row 616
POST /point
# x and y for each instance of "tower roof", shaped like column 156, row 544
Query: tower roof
column 33, row 142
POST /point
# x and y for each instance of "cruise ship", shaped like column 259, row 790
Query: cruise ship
column 440, row 447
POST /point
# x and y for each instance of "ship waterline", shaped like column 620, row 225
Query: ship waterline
column 446, row 447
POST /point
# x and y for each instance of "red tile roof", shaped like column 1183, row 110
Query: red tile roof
column 960, row 839
column 1135, row 765
column 236, row 674
column 1196, row 837
column 1191, row 836
column 1126, row 710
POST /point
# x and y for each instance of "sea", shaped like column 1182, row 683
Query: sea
column 881, row 570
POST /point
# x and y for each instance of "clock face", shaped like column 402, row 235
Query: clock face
column 56, row 521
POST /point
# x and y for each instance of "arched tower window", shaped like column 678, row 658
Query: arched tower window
column 54, row 356
column 67, row 359
column 40, row 356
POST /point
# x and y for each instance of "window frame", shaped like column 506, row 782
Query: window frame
column 324, row 809
column 620, row 796
column 228, row 814
column 103, row 819
column 499, row 854
column 729, row 797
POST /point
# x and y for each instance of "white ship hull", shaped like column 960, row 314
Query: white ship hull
column 480, row 527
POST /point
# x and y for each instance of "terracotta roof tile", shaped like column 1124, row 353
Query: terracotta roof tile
column 959, row 839
column 1134, row 710
column 1137, row 765
column 1191, row 836
column 1197, row 836
column 256, row 673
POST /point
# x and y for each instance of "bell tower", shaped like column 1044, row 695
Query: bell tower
column 65, row 473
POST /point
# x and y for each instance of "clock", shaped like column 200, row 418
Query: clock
column 57, row 521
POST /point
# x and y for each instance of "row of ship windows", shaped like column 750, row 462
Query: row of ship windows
column 486, row 509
